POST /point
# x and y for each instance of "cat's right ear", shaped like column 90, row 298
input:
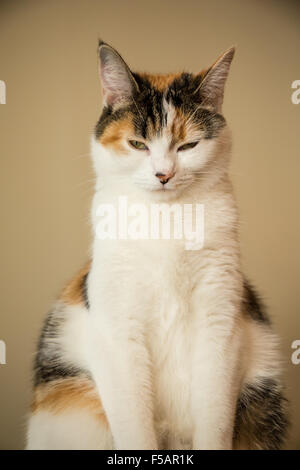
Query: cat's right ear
column 118, row 83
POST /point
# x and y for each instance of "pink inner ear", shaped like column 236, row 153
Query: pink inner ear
column 110, row 96
column 117, row 81
column 112, row 93
column 107, row 90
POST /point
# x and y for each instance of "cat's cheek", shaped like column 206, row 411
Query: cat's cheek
column 196, row 160
column 126, row 165
column 191, row 163
column 143, row 175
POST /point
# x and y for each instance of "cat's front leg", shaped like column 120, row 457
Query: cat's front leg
column 216, row 368
column 120, row 365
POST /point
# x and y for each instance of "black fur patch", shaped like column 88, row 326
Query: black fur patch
column 108, row 116
column 48, row 363
column 46, row 371
column 147, row 109
column 261, row 418
column 85, row 291
column 253, row 305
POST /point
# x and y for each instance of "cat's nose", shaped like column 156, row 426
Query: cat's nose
column 164, row 177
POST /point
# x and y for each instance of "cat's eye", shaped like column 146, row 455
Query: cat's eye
column 188, row 146
column 138, row 145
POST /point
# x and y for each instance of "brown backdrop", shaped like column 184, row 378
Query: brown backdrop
column 48, row 61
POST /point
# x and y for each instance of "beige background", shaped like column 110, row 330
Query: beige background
column 48, row 61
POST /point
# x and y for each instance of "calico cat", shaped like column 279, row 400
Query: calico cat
column 152, row 345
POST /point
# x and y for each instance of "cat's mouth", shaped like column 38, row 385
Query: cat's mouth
column 153, row 188
column 172, row 187
column 166, row 192
column 165, row 188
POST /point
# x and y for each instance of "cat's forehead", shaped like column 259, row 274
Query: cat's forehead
column 161, row 99
column 166, row 104
column 158, row 121
column 164, row 101
column 160, row 82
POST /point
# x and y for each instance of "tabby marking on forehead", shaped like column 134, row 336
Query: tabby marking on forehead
column 160, row 81
column 156, row 102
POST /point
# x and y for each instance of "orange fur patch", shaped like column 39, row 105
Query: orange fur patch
column 160, row 81
column 118, row 131
column 178, row 127
column 114, row 134
column 73, row 292
column 61, row 395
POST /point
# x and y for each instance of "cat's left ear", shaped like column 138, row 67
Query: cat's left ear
column 211, row 88
column 118, row 83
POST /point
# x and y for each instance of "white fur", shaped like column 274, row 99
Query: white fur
column 74, row 430
column 165, row 339
column 166, row 332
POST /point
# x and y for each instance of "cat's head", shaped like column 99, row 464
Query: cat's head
column 161, row 133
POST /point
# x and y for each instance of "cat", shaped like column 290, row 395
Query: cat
column 152, row 345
